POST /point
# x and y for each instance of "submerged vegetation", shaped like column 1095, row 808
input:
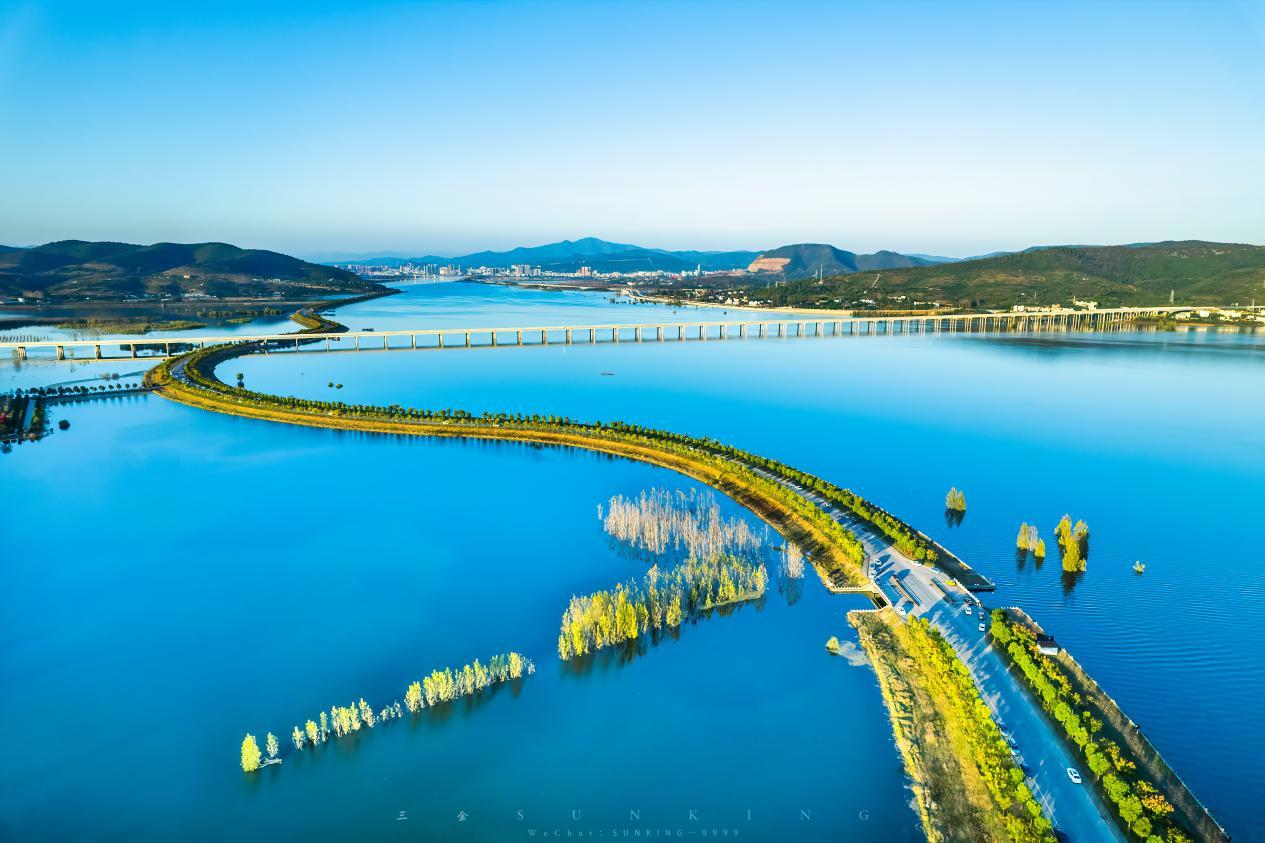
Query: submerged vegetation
column 1073, row 543
column 659, row 520
column 792, row 564
column 1030, row 541
column 966, row 784
column 441, row 686
column 658, row 602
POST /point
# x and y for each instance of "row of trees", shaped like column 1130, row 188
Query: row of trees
column 955, row 500
column 439, row 687
column 1142, row 809
column 1030, row 540
column 447, row 685
column 1073, row 543
column 660, row 600
column 951, row 685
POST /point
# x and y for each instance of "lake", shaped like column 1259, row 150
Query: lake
column 181, row 578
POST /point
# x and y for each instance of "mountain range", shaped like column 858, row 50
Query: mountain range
column 79, row 269
column 802, row 260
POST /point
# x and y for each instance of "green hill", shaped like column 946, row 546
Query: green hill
column 1196, row 272
column 800, row 260
column 77, row 269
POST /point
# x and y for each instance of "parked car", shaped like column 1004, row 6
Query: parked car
column 1073, row 775
column 968, row 610
column 981, row 628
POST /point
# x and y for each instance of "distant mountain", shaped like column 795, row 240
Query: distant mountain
column 800, row 260
column 805, row 260
column 79, row 269
column 890, row 260
column 1194, row 271
column 934, row 258
column 604, row 256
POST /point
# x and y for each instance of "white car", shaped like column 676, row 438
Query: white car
column 968, row 610
column 1073, row 775
column 981, row 627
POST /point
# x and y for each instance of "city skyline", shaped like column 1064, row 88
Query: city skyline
column 449, row 127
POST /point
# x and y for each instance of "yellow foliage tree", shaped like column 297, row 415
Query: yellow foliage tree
column 250, row 754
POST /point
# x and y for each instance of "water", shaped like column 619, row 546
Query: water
column 162, row 599
column 1154, row 439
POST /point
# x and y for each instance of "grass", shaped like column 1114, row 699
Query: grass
column 938, row 725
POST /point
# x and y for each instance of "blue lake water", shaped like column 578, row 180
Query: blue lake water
column 181, row 578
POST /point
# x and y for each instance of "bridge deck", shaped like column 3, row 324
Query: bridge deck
column 781, row 327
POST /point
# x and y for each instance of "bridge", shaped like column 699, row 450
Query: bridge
column 441, row 338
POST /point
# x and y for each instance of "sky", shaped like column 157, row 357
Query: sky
column 323, row 129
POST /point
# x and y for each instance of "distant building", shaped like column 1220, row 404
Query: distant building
column 1047, row 645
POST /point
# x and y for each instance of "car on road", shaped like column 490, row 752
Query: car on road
column 1074, row 775
column 981, row 627
column 968, row 610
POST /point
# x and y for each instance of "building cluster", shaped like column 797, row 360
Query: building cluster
column 409, row 271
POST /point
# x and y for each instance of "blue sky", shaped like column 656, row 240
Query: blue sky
column 951, row 128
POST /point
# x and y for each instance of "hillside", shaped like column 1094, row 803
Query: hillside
column 78, row 269
column 1196, row 272
column 806, row 260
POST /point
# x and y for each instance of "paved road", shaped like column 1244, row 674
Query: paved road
column 912, row 588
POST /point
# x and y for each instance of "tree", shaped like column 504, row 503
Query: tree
column 313, row 735
column 271, row 744
column 413, row 697
column 297, row 738
column 250, row 754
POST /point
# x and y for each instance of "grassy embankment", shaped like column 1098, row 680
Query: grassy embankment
column 966, row 784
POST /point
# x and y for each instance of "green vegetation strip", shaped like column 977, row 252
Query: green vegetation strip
column 659, row 602
column 966, row 784
column 1127, row 770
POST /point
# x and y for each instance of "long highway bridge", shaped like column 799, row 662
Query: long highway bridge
column 439, row 338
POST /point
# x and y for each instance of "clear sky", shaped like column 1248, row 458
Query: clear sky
column 944, row 127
